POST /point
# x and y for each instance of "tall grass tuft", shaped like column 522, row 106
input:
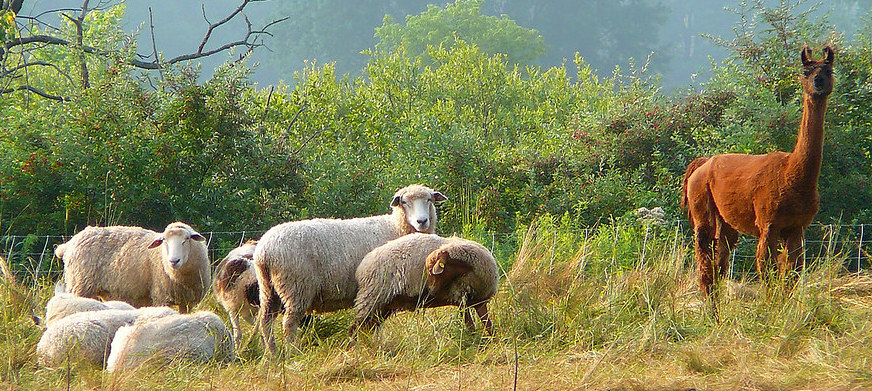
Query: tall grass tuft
column 614, row 306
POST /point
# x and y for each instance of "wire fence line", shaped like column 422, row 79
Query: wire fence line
column 32, row 257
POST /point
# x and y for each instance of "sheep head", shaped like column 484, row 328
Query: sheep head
column 416, row 203
column 442, row 269
column 174, row 245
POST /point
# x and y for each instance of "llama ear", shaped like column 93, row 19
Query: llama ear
column 828, row 55
column 806, row 56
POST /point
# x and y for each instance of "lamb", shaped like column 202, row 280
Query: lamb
column 309, row 265
column 86, row 335
column 139, row 266
column 236, row 287
column 425, row 271
column 63, row 304
column 198, row 337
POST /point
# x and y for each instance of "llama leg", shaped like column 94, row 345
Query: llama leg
column 703, row 246
column 794, row 257
column 727, row 238
column 766, row 250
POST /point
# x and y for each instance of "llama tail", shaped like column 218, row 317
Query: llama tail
column 694, row 164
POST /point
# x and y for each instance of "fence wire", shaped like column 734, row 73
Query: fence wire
column 31, row 257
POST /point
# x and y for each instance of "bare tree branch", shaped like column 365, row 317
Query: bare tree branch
column 11, row 71
column 34, row 90
column 252, row 38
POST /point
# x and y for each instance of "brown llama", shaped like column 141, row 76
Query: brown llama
column 773, row 196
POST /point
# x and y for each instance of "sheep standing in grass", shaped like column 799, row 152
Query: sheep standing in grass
column 85, row 336
column 425, row 271
column 309, row 265
column 139, row 266
column 198, row 337
column 63, row 304
column 236, row 287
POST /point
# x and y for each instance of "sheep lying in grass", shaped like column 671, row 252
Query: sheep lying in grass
column 63, row 304
column 236, row 287
column 138, row 266
column 85, row 336
column 424, row 271
column 198, row 337
column 309, row 265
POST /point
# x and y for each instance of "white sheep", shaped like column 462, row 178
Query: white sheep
column 309, row 265
column 236, row 287
column 425, row 271
column 63, row 304
column 138, row 266
column 198, row 337
column 85, row 336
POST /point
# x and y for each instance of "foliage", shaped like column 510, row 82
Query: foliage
column 462, row 20
column 506, row 143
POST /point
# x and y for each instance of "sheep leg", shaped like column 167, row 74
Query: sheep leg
column 293, row 315
column 481, row 311
column 237, row 332
column 270, row 305
column 467, row 318
column 370, row 320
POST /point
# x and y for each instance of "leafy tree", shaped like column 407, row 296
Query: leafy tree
column 462, row 20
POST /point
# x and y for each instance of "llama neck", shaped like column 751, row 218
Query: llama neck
column 804, row 164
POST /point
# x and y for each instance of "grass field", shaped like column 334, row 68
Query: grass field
column 606, row 309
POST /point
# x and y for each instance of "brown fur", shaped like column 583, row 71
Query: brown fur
column 773, row 197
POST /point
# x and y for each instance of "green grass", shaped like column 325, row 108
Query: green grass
column 612, row 308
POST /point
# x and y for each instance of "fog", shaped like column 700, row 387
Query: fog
column 667, row 34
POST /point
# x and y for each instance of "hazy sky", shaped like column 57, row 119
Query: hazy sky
column 180, row 25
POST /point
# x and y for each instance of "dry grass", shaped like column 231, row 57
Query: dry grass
column 608, row 309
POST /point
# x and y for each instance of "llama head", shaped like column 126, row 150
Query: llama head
column 817, row 75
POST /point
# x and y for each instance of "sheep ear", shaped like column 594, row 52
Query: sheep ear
column 437, row 268
column 157, row 242
column 438, row 197
column 396, row 200
column 438, row 260
column 198, row 237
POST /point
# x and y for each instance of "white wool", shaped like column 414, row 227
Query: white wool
column 195, row 337
column 309, row 265
column 85, row 336
column 138, row 266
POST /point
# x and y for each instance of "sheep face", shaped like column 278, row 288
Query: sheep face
column 442, row 269
column 417, row 204
column 175, row 246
